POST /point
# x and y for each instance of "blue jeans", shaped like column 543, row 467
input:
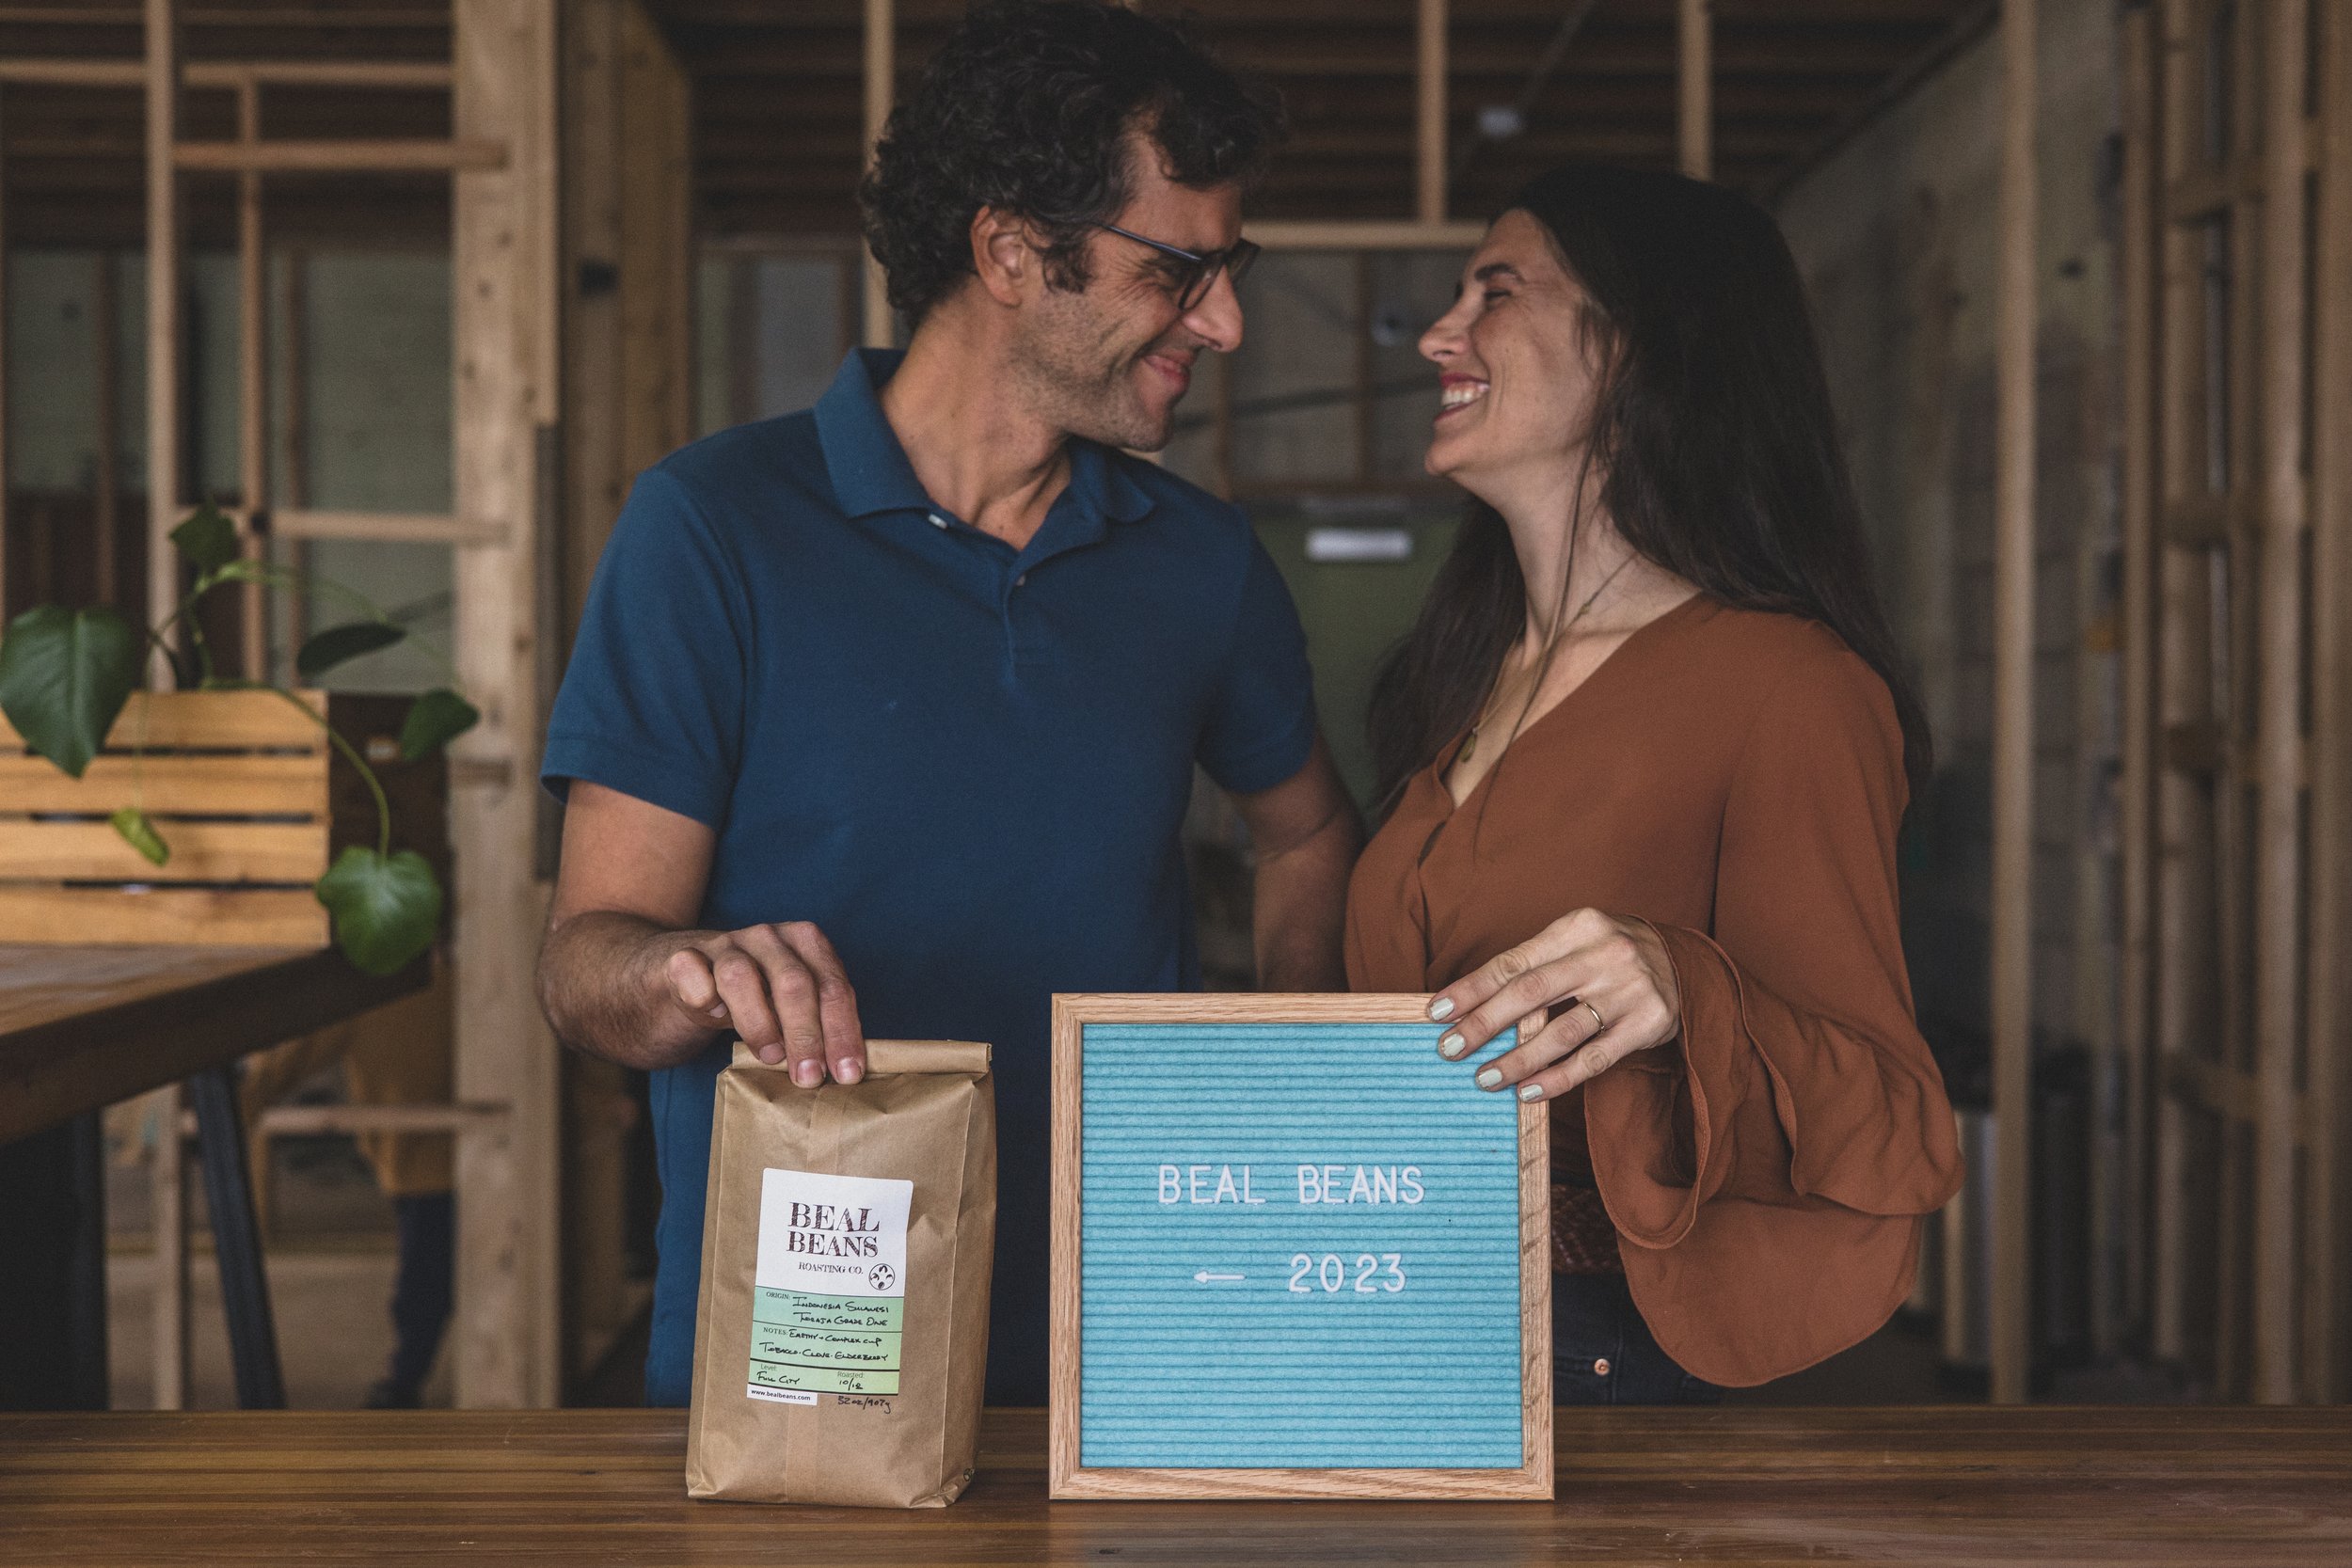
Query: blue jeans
column 1602, row 1352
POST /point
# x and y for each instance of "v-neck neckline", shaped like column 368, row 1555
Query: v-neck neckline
column 1446, row 758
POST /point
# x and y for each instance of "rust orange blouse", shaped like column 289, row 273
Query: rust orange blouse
column 1734, row 778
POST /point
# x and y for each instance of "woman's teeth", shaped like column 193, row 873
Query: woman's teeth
column 1461, row 395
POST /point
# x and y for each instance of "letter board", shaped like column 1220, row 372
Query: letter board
column 1296, row 1254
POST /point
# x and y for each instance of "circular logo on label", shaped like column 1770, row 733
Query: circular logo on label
column 882, row 1276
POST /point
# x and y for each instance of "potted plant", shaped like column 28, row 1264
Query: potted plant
column 67, row 675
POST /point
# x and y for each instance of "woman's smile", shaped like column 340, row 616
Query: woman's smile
column 1520, row 319
column 1457, row 393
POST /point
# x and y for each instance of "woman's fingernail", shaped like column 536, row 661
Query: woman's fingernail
column 1531, row 1091
column 1489, row 1077
column 808, row 1075
column 849, row 1073
column 1441, row 1009
column 1451, row 1045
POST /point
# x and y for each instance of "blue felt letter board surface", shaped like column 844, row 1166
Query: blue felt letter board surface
column 1299, row 1247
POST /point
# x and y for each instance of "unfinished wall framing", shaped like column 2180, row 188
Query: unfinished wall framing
column 515, row 523
column 2236, row 948
column 626, row 272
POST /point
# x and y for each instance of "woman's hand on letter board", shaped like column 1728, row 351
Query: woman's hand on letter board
column 1587, row 992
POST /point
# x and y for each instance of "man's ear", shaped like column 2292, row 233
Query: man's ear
column 1002, row 256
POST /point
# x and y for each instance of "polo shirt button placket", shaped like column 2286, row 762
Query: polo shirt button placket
column 1012, row 630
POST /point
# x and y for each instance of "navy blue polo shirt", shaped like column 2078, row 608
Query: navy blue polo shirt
column 967, row 764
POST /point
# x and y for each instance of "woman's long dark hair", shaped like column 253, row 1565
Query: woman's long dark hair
column 1712, row 429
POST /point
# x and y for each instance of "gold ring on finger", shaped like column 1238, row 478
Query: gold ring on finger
column 1599, row 1022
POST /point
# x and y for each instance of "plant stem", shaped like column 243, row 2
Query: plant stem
column 138, row 754
column 186, row 614
column 383, row 807
column 172, row 659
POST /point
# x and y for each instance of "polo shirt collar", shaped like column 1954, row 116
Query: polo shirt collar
column 869, row 469
column 871, row 475
column 1119, row 498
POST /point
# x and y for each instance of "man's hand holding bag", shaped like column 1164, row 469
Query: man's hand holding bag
column 842, row 1334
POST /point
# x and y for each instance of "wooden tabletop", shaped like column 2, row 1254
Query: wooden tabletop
column 82, row 1027
column 1741, row 1484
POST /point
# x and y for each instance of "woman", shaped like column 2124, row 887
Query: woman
column 1642, row 760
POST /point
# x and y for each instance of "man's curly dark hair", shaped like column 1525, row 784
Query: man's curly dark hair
column 1026, row 108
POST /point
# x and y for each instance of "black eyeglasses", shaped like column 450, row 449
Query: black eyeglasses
column 1191, row 285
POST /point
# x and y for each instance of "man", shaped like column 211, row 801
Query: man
column 907, row 690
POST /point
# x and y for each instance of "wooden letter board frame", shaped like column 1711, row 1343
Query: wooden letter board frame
column 1068, row 1479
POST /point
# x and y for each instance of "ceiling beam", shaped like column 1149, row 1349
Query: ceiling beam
column 426, row 16
column 1318, row 55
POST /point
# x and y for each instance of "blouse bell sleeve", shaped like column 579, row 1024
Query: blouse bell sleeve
column 1765, row 1170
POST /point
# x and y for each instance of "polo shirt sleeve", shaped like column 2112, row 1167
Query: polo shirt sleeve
column 1262, row 719
column 652, row 702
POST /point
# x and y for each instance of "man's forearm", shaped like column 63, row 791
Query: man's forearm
column 1299, row 909
column 603, row 988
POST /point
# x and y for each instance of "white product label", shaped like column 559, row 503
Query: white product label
column 829, row 1289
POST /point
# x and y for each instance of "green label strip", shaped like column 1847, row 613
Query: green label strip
column 826, row 1344
column 822, row 1380
column 796, row 1310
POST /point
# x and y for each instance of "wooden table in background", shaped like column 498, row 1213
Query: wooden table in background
column 1916, row 1485
column 84, row 1026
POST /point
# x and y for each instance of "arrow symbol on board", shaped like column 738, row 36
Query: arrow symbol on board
column 1205, row 1277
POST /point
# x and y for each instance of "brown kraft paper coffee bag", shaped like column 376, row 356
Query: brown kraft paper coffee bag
column 841, row 1340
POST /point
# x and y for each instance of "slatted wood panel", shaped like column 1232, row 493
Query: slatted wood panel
column 2240, row 1248
column 246, row 791
column 65, row 874
column 33, row 849
column 258, row 782
column 239, row 917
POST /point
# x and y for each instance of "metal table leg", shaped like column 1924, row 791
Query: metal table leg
column 236, row 1241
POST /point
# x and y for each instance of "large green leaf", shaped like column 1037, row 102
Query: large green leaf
column 386, row 908
column 64, row 675
column 435, row 720
column 343, row 644
column 140, row 835
column 208, row 538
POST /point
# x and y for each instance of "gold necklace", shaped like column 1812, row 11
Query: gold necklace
column 1470, row 741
